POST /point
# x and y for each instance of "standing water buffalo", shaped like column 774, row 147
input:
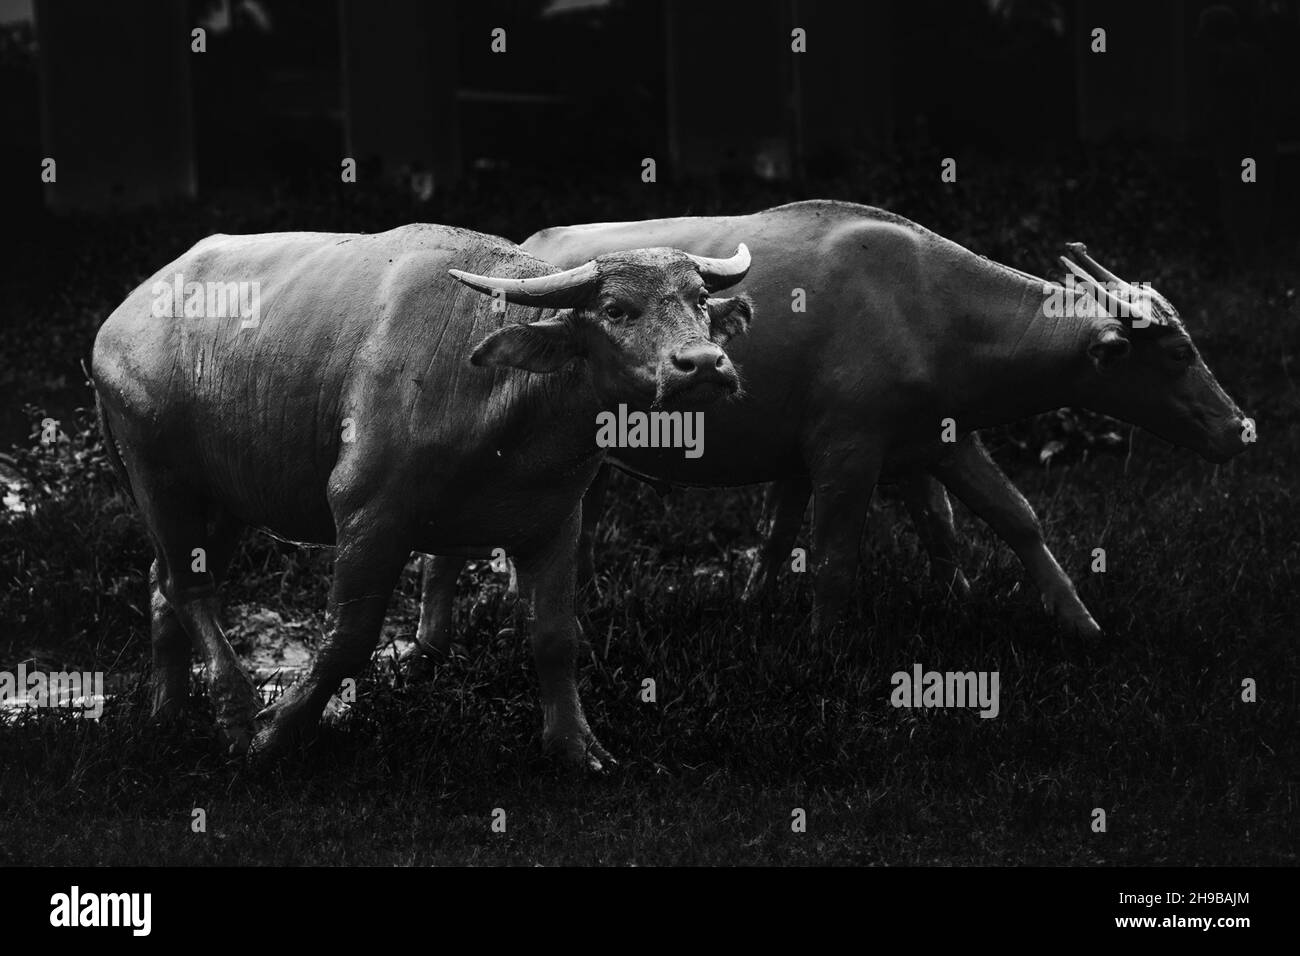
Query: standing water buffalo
column 902, row 329
column 347, row 413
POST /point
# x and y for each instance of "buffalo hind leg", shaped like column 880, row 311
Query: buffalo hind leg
column 171, row 642
column 980, row 484
column 931, row 511
column 369, row 557
column 784, row 504
column 438, row 575
column 170, row 675
column 193, row 543
column 547, row 576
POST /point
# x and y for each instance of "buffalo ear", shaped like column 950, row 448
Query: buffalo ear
column 1108, row 349
column 545, row 346
column 729, row 318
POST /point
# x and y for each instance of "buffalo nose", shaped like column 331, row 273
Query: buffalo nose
column 703, row 359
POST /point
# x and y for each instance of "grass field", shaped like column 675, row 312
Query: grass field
column 753, row 719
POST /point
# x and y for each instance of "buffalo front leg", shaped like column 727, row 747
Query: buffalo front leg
column 976, row 479
column 784, row 504
column 593, row 503
column 547, row 576
column 842, row 487
column 369, row 558
column 931, row 512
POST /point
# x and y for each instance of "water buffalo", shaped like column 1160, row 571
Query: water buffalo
column 902, row 330
column 375, row 404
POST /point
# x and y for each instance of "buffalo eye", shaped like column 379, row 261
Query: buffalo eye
column 704, row 300
column 614, row 312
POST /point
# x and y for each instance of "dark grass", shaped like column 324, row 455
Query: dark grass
column 753, row 719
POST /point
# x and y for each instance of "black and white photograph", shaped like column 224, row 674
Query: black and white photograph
column 608, row 434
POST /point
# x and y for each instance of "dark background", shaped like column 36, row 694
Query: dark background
column 1136, row 151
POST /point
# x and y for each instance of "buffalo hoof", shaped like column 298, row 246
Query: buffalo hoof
column 581, row 751
column 1084, row 627
column 283, row 725
column 271, row 744
column 236, row 702
column 417, row 664
column 1074, row 617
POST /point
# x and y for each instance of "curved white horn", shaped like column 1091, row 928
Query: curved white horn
column 1137, row 299
column 720, row 273
column 555, row 291
column 1104, row 296
column 1080, row 251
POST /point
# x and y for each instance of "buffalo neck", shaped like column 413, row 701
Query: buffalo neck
column 1019, row 356
column 557, row 412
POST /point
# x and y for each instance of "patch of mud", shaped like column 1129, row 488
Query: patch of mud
column 275, row 651
column 267, row 644
column 272, row 649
